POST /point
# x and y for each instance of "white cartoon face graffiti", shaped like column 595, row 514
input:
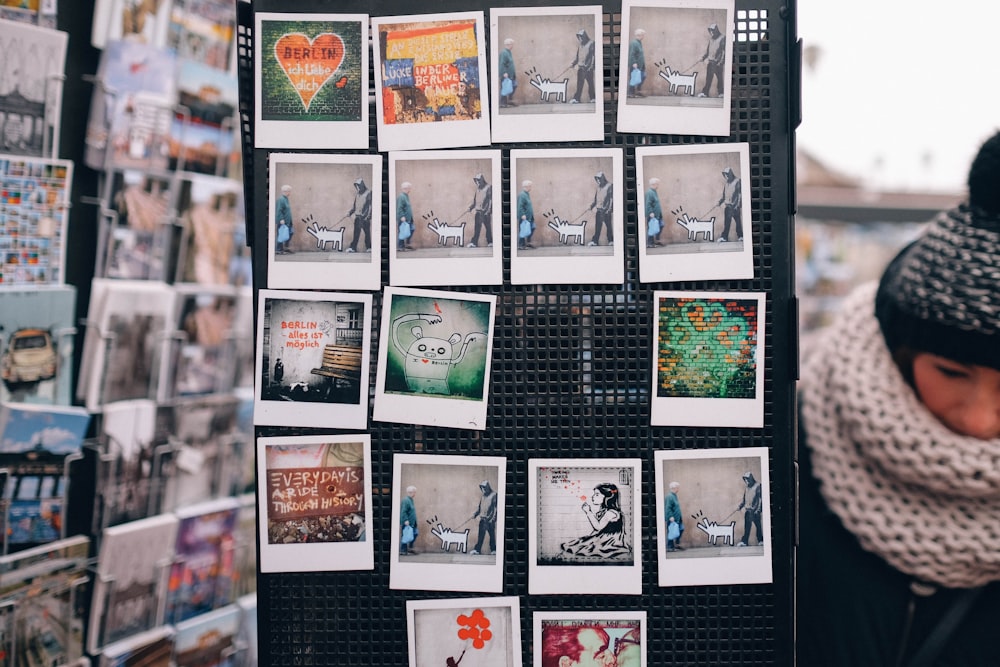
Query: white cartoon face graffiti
column 429, row 360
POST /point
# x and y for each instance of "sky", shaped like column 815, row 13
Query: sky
column 901, row 94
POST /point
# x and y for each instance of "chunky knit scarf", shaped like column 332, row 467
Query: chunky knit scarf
column 923, row 498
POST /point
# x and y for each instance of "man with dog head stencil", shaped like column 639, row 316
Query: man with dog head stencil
column 362, row 212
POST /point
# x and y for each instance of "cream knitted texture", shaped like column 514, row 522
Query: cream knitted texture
column 922, row 497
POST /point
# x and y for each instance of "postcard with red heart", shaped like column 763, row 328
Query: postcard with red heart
column 312, row 81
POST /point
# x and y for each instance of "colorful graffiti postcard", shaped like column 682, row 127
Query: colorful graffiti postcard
column 312, row 80
column 565, row 215
column 442, row 221
column 606, row 637
column 312, row 359
column 676, row 68
column 321, row 214
column 444, row 632
column 713, row 517
column 584, row 528
column 694, row 204
column 548, row 65
column 316, row 503
column 708, row 349
column 447, row 531
column 430, row 81
column 434, row 359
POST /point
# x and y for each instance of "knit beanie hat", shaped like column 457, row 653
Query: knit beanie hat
column 941, row 294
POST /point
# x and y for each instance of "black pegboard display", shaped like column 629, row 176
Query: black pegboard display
column 571, row 379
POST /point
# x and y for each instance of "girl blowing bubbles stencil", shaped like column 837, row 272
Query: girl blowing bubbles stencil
column 607, row 540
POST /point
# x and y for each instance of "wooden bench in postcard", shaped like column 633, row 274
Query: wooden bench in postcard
column 340, row 362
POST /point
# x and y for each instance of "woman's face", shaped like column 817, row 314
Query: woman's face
column 964, row 397
column 597, row 498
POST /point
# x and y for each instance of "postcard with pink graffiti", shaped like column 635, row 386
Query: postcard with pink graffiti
column 713, row 516
column 709, row 360
column 694, row 209
column 447, row 531
column 592, row 637
column 485, row 632
column 584, row 531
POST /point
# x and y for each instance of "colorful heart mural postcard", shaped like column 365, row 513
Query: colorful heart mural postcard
column 708, row 359
column 312, row 80
column 325, row 215
column 316, row 503
column 445, row 215
column 606, row 638
column 434, row 358
column 447, row 531
column 566, row 216
column 694, row 204
column 676, row 67
column 713, row 513
column 584, row 528
column 312, row 359
column 548, row 83
column 485, row 631
column 430, row 81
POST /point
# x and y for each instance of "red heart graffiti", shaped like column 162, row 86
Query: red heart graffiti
column 309, row 63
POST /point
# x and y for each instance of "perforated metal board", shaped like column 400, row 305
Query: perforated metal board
column 571, row 378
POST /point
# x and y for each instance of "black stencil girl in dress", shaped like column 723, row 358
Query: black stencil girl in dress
column 604, row 513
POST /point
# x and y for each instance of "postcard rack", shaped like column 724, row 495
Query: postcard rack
column 571, row 376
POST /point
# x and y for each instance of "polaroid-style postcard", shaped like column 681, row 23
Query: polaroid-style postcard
column 548, row 73
column 447, row 523
column 312, row 80
column 708, row 359
column 445, row 214
column 130, row 585
column 312, row 359
column 445, row 632
column 566, row 214
column 713, row 514
column 131, row 331
column 434, row 358
column 676, row 69
column 214, row 250
column 34, row 215
column 430, row 81
column 209, row 639
column 152, row 648
column 35, row 61
column 316, row 503
column 137, row 237
column 695, row 210
column 36, row 344
column 203, row 31
column 606, row 637
column 204, row 130
column 132, row 107
column 320, row 233
column 202, row 569
column 584, row 527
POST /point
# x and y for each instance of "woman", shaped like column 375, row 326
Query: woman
column 899, row 552
column 604, row 513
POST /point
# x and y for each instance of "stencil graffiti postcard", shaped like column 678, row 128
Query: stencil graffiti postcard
column 312, row 80
column 447, row 531
column 693, row 204
column 713, row 517
column 434, row 359
column 481, row 631
column 315, row 500
column 312, row 359
column 606, row 638
column 708, row 352
column 548, row 65
column 566, row 216
column 444, row 218
column 325, row 223
column 676, row 67
column 584, row 528
column 430, row 81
